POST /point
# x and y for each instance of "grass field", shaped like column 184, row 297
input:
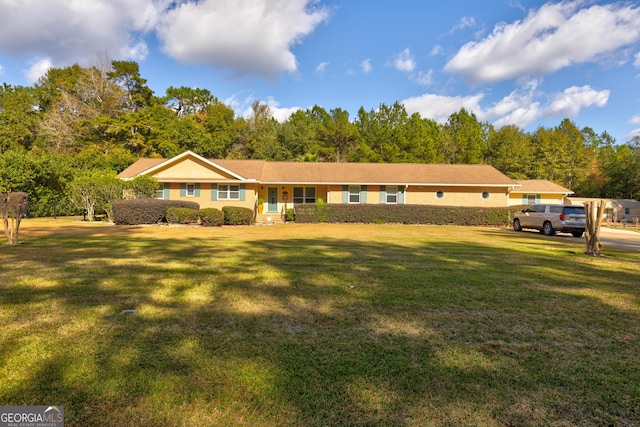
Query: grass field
column 318, row 325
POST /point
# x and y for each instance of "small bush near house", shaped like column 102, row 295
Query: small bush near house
column 403, row 214
column 145, row 211
column 290, row 215
column 234, row 215
column 211, row 217
column 177, row 215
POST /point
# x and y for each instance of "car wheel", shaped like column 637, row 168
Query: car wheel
column 547, row 229
column 577, row 233
column 516, row 225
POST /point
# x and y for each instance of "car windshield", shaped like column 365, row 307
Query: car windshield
column 578, row 210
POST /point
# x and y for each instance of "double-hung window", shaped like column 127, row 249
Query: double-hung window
column 228, row 192
column 392, row 194
column 354, row 194
column 304, row 195
column 191, row 190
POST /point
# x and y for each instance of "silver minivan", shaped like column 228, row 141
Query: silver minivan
column 551, row 218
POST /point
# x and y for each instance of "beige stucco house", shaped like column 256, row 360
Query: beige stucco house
column 219, row 183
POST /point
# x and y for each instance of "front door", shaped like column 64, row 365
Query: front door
column 272, row 199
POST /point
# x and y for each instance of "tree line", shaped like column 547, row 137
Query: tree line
column 80, row 120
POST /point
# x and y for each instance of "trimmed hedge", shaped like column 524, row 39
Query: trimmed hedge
column 176, row 215
column 211, row 217
column 404, row 214
column 145, row 211
column 234, row 215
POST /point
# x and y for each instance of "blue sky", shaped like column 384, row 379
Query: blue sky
column 528, row 63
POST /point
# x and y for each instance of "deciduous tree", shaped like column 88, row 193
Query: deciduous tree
column 95, row 191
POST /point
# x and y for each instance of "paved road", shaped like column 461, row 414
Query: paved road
column 617, row 238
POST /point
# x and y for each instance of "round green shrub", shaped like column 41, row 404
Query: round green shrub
column 178, row 215
column 234, row 215
column 211, row 217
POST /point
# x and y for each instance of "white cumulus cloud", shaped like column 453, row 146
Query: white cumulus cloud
column 439, row 107
column 573, row 99
column 521, row 107
column 69, row 31
column 550, row 38
column 404, row 61
column 244, row 36
column 37, row 69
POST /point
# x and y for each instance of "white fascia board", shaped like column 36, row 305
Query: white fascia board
column 413, row 184
column 543, row 192
column 216, row 181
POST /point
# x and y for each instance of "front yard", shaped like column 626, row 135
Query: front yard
column 318, row 325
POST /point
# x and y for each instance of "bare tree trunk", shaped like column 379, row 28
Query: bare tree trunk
column 14, row 207
column 593, row 223
column 4, row 212
column 16, row 228
column 7, row 232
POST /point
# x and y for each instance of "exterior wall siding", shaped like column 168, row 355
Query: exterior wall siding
column 458, row 196
column 203, row 197
column 373, row 194
column 516, row 199
column 190, row 169
column 415, row 195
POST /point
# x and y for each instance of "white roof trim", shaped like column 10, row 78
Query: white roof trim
column 197, row 156
column 203, row 180
column 412, row 184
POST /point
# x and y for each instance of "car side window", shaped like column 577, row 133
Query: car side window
column 555, row 209
column 535, row 208
column 578, row 210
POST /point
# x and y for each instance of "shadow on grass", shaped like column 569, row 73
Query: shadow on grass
column 319, row 331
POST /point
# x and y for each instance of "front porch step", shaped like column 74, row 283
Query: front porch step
column 269, row 219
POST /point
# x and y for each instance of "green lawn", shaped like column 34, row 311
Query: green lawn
column 318, row 325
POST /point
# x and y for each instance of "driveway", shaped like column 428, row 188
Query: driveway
column 617, row 238
column 610, row 237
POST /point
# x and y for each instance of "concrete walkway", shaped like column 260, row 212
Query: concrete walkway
column 620, row 238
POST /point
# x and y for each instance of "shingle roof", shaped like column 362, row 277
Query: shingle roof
column 381, row 173
column 540, row 186
column 349, row 173
column 140, row 166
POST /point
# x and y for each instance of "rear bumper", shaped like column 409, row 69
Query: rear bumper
column 570, row 229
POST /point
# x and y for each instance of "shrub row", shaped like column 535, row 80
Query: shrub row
column 404, row 214
column 208, row 217
column 145, row 211
column 154, row 211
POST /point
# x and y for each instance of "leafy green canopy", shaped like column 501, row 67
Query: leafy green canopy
column 78, row 119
